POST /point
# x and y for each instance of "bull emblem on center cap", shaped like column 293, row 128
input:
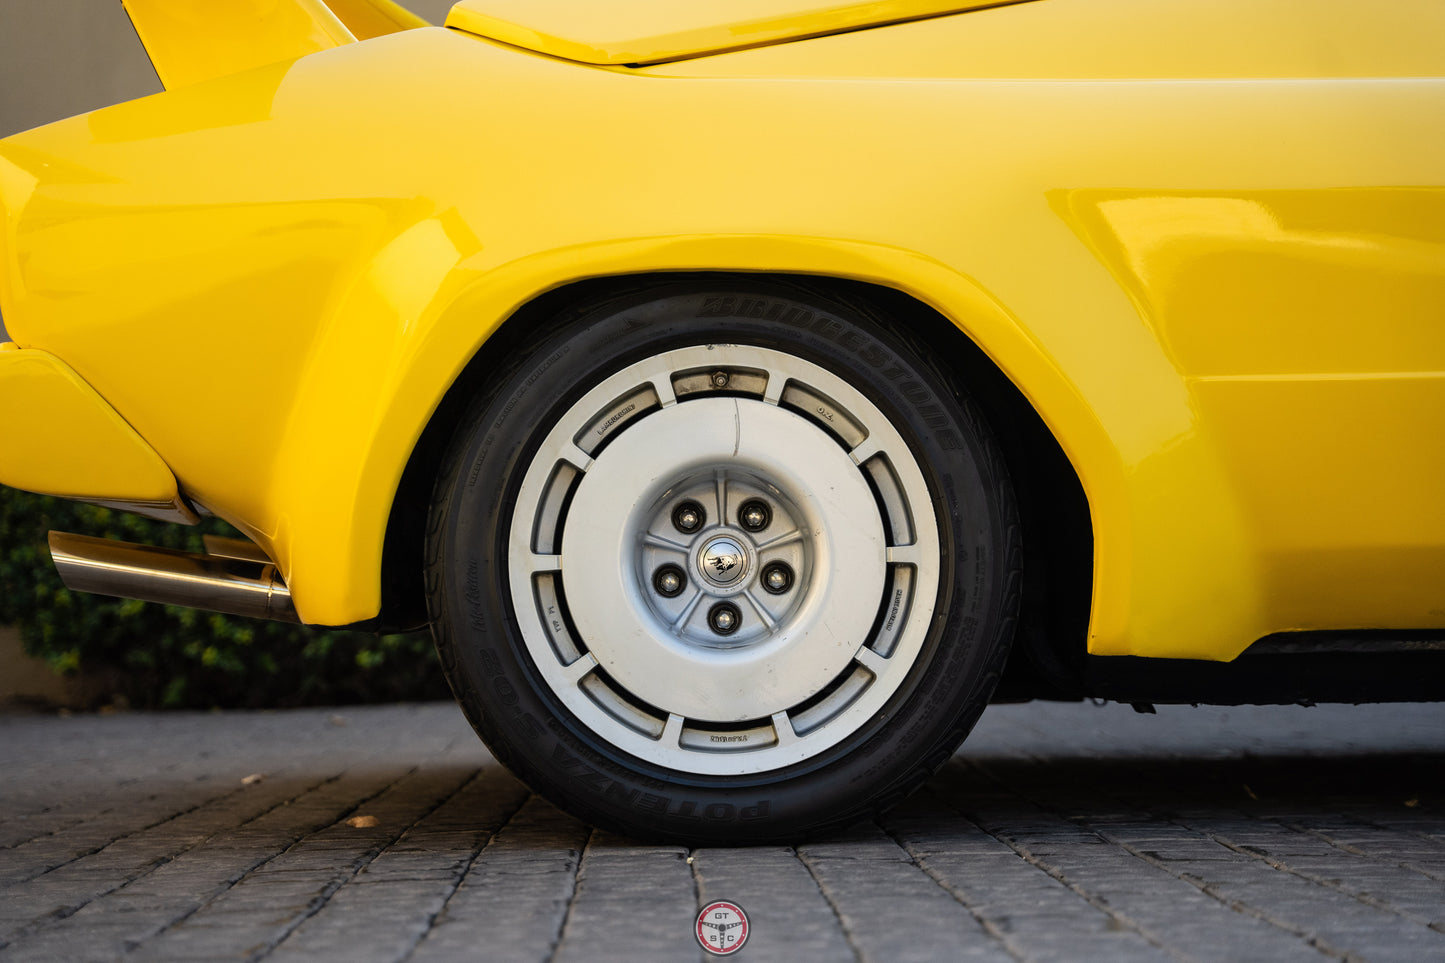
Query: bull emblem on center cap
column 723, row 561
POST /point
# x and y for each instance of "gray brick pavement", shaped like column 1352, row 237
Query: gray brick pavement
column 1060, row 832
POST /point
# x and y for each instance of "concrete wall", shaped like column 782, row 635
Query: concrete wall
column 65, row 57
column 28, row 681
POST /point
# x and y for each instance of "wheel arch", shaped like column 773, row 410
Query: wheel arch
column 1058, row 530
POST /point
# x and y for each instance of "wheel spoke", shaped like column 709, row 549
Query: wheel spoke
column 865, row 450
column 783, row 726
column 672, row 730
column 577, row 670
column 658, row 541
column 786, row 538
column 722, row 498
column 763, row 613
column 687, row 610
column 777, row 381
column 575, row 456
column 871, row 660
column 904, row 555
column 662, row 384
column 543, row 563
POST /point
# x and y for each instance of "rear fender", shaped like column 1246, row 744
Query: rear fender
column 339, row 472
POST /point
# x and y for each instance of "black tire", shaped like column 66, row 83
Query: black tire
column 514, row 703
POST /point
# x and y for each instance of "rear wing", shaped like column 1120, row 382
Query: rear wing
column 189, row 41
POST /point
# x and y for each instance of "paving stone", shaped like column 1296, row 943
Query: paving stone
column 513, row 900
column 642, row 897
column 1034, row 913
column 386, row 909
column 789, row 917
column 889, row 907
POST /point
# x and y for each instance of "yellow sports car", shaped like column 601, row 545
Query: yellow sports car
column 742, row 389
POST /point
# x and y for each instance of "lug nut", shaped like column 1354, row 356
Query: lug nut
column 724, row 618
column 755, row 515
column 720, row 379
column 777, row 578
column 669, row 581
column 688, row 517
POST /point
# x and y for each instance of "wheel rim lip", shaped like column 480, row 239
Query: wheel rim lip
column 665, row 752
column 664, row 668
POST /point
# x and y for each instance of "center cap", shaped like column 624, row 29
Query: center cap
column 723, row 560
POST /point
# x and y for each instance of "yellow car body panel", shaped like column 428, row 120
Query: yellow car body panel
column 653, row 31
column 1222, row 296
column 63, row 439
column 1119, row 39
column 195, row 40
column 374, row 18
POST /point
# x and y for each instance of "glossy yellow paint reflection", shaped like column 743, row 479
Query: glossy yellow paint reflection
column 194, row 40
column 649, row 31
column 374, row 18
column 1101, row 39
column 1223, row 297
column 1279, row 282
column 61, row 438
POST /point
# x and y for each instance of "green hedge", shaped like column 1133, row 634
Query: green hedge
column 162, row 656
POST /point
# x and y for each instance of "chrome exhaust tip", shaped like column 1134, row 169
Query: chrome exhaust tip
column 237, row 579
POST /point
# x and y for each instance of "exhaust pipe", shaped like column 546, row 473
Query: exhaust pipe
column 236, row 579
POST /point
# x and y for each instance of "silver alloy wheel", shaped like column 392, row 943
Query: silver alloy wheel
column 790, row 626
